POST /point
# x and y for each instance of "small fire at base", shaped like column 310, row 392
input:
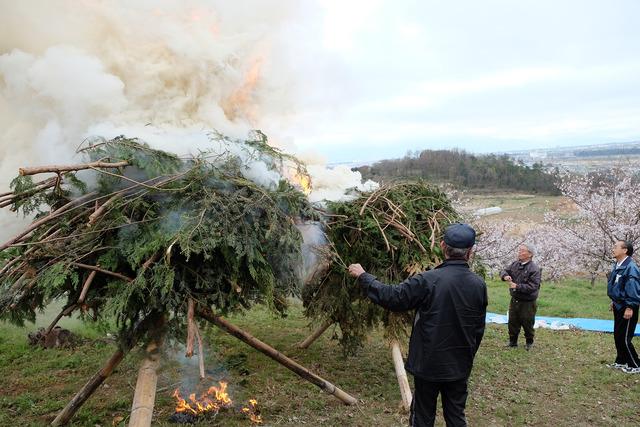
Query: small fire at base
column 210, row 403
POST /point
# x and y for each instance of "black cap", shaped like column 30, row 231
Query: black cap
column 460, row 236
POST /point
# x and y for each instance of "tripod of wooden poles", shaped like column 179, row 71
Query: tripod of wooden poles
column 145, row 392
column 396, row 355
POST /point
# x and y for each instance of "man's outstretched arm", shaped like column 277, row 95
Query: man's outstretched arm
column 405, row 296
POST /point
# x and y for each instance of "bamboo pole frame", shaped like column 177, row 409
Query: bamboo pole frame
column 99, row 377
column 401, row 374
column 145, row 394
column 89, row 388
column 70, row 168
column 315, row 335
column 288, row 363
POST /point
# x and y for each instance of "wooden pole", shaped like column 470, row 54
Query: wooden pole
column 53, row 215
column 315, row 335
column 245, row 337
column 85, row 286
column 93, row 218
column 145, row 394
column 70, row 168
column 192, row 334
column 12, row 198
column 200, row 353
column 65, row 312
column 103, row 271
column 72, row 407
column 98, row 378
column 401, row 374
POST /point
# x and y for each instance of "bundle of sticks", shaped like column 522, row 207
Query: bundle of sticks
column 393, row 232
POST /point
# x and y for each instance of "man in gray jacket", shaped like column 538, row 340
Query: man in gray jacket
column 523, row 276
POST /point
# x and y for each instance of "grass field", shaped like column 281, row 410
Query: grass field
column 563, row 382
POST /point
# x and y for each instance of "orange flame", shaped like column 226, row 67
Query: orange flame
column 303, row 181
column 241, row 103
column 252, row 412
column 212, row 401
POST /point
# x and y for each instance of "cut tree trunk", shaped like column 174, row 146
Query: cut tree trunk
column 401, row 374
column 315, row 335
column 145, row 394
column 245, row 337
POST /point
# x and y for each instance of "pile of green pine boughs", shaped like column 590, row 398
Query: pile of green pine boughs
column 394, row 232
column 137, row 232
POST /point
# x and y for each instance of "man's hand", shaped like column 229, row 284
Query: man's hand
column 356, row 270
column 628, row 312
column 507, row 278
column 611, row 306
column 512, row 285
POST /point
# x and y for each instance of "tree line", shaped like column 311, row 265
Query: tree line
column 465, row 170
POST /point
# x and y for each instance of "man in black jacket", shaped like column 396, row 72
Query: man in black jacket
column 524, row 277
column 451, row 304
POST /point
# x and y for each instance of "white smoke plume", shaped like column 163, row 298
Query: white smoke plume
column 165, row 71
column 335, row 183
column 73, row 68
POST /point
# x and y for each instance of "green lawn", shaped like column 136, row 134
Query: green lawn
column 569, row 298
column 563, row 382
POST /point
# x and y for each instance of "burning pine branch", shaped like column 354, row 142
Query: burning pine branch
column 100, row 229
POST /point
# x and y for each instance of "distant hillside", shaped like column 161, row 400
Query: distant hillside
column 465, row 170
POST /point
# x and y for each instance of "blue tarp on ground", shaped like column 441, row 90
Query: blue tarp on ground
column 598, row 325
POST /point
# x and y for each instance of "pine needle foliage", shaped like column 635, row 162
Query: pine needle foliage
column 394, row 232
column 171, row 228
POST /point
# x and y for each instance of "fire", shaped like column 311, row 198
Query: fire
column 212, row 401
column 241, row 102
column 252, row 411
column 304, row 182
column 298, row 177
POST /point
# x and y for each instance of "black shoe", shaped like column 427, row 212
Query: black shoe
column 511, row 344
column 528, row 346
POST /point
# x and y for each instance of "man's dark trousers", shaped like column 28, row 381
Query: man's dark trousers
column 522, row 314
column 425, row 399
column 623, row 331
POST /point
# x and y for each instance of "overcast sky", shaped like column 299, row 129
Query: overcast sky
column 480, row 75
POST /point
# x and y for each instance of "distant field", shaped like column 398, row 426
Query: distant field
column 527, row 208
